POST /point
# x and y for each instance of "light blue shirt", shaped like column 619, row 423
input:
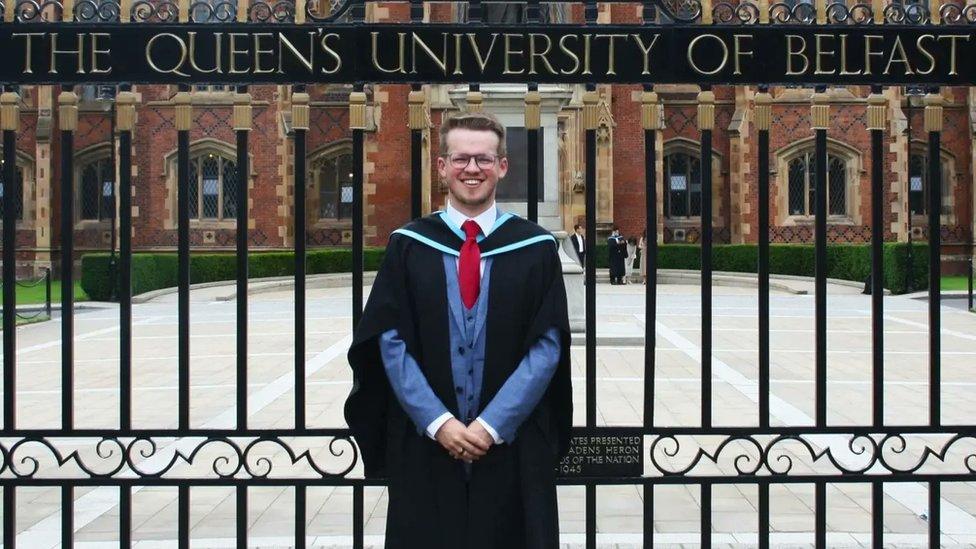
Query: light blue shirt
column 517, row 397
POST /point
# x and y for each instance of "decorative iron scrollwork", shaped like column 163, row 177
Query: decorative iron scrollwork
column 222, row 11
column 744, row 13
column 910, row 14
column 802, row 13
column 858, row 14
column 146, row 11
column 91, row 11
column 32, row 11
column 680, row 11
column 954, row 14
column 263, row 11
column 338, row 10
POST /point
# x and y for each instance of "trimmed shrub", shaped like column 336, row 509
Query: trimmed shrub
column 152, row 271
column 844, row 261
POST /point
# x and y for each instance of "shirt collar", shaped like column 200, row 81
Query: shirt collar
column 485, row 220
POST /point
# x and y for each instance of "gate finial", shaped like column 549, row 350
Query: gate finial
column 877, row 107
column 933, row 112
column 10, row 111
column 706, row 110
column 591, row 110
column 125, row 111
column 417, row 111
column 68, row 111
column 651, row 114
column 182, row 112
column 357, row 110
column 243, row 114
column 474, row 100
column 763, row 111
column 820, row 112
column 533, row 110
column 300, row 113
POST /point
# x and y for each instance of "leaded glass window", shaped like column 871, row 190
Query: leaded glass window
column 97, row 197
column 918, row 184
column 803, row 189
column 334, row 177
column 682, row 179
column 213, row 187
column 16, row 192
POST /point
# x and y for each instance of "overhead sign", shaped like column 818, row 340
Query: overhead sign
column 429, row 53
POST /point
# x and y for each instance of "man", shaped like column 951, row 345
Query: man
column 579, row 244
column 617, row 250
column 462, row 394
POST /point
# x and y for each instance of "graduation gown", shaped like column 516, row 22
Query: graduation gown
column 510, row 499
column 617, row 248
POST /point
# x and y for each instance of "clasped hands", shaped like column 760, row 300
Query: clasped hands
column 467, row 443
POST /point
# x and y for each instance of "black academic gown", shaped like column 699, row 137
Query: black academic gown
column 617, row 250
column 509, row 501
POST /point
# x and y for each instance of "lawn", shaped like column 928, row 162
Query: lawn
column 955, row 282
column 35, row 294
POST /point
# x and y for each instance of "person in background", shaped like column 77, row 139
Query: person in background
column 579, row 244
column 629, row 263
column 643, row 256
column 617, row 252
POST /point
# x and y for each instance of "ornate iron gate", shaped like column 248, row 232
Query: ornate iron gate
column 690, row 41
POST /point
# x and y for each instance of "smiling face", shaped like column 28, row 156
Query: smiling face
column 472, row 188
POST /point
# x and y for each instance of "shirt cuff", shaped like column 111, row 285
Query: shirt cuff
column 490, row 429
column 437, row 423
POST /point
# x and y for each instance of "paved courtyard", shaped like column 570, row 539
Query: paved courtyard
column 619, row 402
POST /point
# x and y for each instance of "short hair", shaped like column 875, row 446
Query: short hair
column 576, row 226
column 616, row 228
column 478, row 121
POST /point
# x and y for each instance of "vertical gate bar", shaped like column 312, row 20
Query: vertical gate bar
column 589, row 124
column 877, row 514
column 763, row 515
column 706, row 515
column 242, row 126
column 299, row 122
column 651, row 121
column 10, row 124
column 300, row 516
column 648, row 515
column 819, row 117
column 183, row 121
column 67, row 516
column 9, row 510
column 417, row 122
column 125, row 122
column 125, row 516
column 241, row 536
column 68, row 122
column 763, row 115
column 820, row 515
column 532, row 143
column 935, row 514
column 357, row 121
column 933, row 125
column 357, row 516
column 876, row 121
column 183, row 516
column 706, row 121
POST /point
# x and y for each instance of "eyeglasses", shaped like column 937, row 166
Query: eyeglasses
column 483, row 161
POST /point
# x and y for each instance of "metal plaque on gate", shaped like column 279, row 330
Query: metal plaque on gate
column 603, row 456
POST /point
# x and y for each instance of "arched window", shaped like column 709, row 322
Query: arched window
column 802, row 184
column 14, row 192
column 332, row 174
column 96, row 184
column 213, row 187
column 682, row 179
column 918, row 184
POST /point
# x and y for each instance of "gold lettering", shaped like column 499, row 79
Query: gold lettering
column 457, row 54
column 869, row 53
column 401, row 39
column 895, row 49
column 791, row 53
column 952, row 50
column 80, row 52
column 175, row 69
column 843, row 58
column 819, row 52
column 284, row 44
column 926, row 53
column 610, row 50
column 586, row 54
column 332, row 53
column 95, row 69
column 509, row 52
column 441, row 62
column 691, row 54
column 192, row 40
column 570, row 53
column 234, row 52
column 482, row 60
column 645, row 50
column 258, row 52
column 28, row 49
column 739, row 52
column 533, row 53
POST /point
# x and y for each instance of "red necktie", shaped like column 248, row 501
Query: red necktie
column 469, row 266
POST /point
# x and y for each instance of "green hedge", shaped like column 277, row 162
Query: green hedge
column 844, row 261
column 152, row 271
